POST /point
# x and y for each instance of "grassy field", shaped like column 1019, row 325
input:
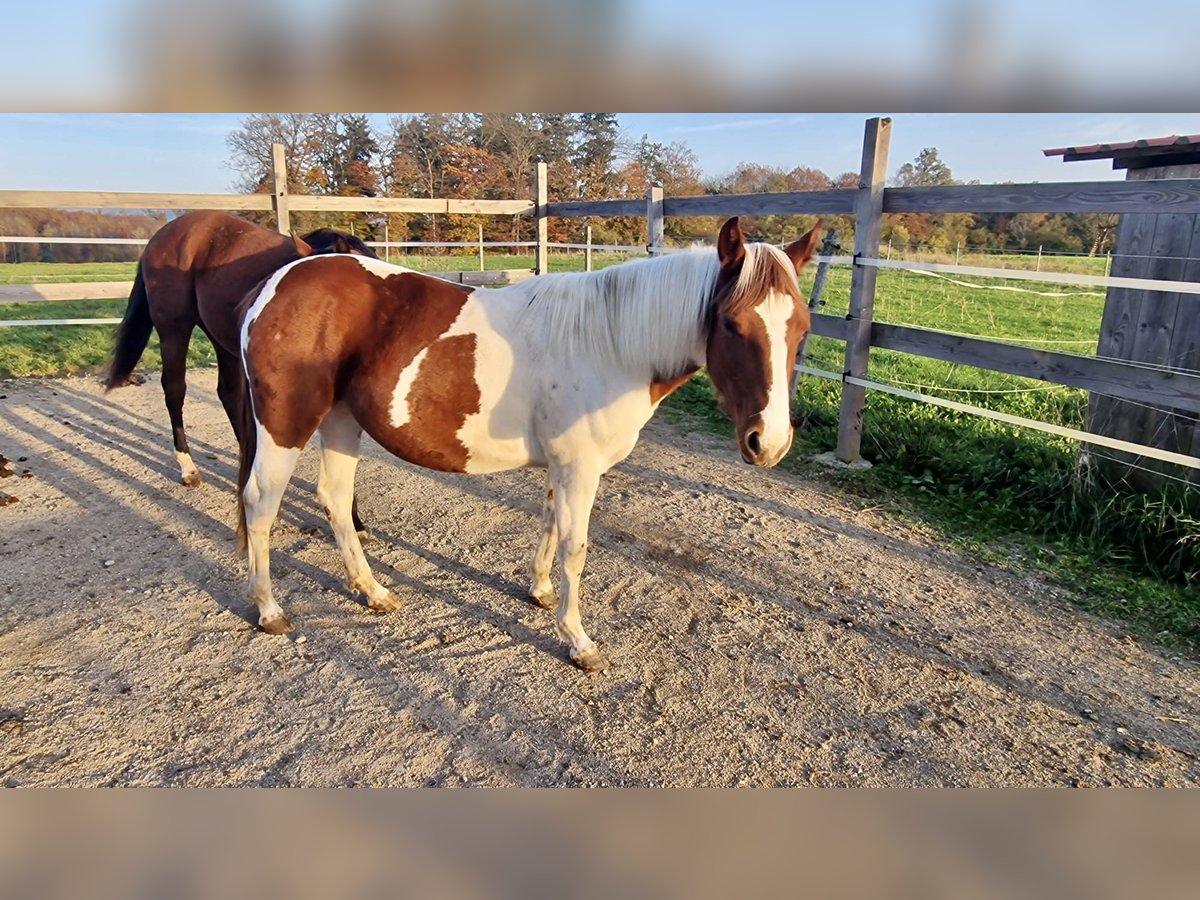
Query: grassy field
column 1003, row 493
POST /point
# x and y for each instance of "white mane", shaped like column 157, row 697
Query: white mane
column 643, row 314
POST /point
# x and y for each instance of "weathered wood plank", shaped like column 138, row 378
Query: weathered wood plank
column 654, row 220
column 868, row 210
column 130, row 200
column 815, row 299
column 1152, row 337
column 1139, row 384
column 310, row 203
column 782, row 204
column 1162, row 195
column 577, row 208
column 825, row 325
column 488, row 278
column 1185, row 348
column 1118, row 325
column 541, row 187
column 283, row 215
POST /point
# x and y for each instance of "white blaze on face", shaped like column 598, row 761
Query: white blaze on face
column 776, row 311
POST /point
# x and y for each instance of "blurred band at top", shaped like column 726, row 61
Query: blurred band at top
column 491, row 55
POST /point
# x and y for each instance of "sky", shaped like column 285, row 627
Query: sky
column 187, row 153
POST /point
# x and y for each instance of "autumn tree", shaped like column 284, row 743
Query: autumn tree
column 935, row 232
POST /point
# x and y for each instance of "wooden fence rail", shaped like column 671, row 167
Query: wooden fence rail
column 1176, row 389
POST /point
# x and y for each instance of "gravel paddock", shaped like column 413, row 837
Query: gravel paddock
column 763, row 630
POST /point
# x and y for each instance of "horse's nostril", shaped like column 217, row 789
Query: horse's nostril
column 754, row 442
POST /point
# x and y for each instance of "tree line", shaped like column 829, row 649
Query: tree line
column 494, row 155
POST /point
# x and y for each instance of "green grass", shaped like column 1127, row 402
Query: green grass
column 74, row 349
column 57, row 273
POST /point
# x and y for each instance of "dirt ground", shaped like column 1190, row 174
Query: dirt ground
column 763, row 630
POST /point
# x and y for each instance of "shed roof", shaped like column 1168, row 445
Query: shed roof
column 1175, row 149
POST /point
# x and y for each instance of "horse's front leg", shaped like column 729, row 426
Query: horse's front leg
column 542, row 590
column 574, row 491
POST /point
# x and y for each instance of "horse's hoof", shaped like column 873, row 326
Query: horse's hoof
column 277, row 625
column 192, row 479
column 385, row 604
column 545, row 601
column 590, row 660
column 363, row 535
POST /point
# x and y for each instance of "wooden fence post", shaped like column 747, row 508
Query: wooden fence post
column 828, row 248
column 868, row 220
column 283, row 216
column 480, row 248
column 587, row 250
column 542, row 252
column 654, row 220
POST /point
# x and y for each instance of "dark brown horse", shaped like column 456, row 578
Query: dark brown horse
column 197, row 270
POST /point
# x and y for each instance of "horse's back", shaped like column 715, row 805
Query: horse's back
column 200, row 266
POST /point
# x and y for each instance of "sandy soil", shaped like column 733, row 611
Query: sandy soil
column 763, row 630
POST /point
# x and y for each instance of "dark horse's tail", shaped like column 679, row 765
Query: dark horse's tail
column 133, row 334
column 247, row 448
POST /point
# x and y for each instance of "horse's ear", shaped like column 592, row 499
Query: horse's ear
column 731, row 246
column 303, row 247
column 802, row 250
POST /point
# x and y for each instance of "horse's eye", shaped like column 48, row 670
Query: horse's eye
column 730, row 326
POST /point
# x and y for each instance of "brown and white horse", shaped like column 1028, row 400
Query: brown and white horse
column 560, row 371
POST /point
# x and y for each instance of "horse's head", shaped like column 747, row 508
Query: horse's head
column 757, row 320
column 329, row 240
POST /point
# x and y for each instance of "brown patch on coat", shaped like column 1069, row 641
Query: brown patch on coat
column 335, row 331
column 661, row 388
column 440, row 398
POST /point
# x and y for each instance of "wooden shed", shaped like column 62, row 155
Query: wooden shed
column 1153, row 327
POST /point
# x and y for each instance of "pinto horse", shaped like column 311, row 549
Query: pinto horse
column 559, row 371
column 196, row 270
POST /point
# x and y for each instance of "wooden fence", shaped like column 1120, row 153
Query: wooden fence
column 1158, row 386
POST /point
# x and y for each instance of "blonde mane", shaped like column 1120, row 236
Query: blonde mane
column 648, row 313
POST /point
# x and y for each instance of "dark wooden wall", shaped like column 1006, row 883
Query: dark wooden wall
column 1153, row 327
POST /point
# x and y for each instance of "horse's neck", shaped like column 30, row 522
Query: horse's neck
column 645, row 324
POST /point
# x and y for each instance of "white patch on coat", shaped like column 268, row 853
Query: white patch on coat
column 497, row 437
column 265, row 296
column 398, row 412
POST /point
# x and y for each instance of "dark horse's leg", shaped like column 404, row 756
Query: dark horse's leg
column 174, row 343
column 230, row 384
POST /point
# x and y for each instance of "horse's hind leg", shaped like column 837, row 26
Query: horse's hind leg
column 230, row 384
column 269, row 475
column 340, row 438
column 542, row 589
column 359, row 525
column 174, row 345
